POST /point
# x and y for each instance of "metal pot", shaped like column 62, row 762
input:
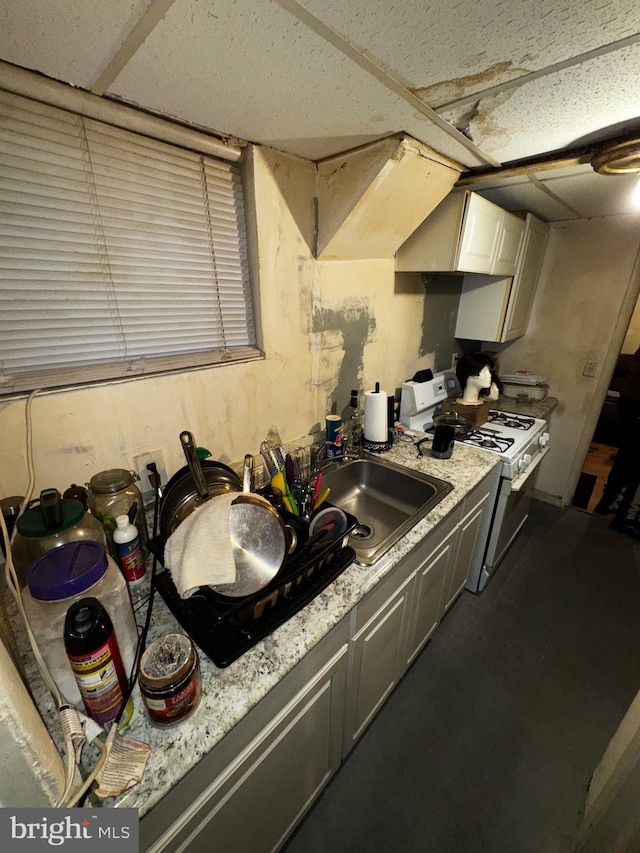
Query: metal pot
column 460, row 424
column 193, row 485
column 259, row 537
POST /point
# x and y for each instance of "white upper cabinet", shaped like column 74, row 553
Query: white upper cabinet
column 497, row 308
column 510, row 240
column 523, row 287
column 465, row 233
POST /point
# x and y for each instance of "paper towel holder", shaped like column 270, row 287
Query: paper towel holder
column 379, row 446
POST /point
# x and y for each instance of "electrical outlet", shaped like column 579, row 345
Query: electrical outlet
column 140, row 461
column 590, row 367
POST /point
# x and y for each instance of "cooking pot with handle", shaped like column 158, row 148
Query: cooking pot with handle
column 192, row 485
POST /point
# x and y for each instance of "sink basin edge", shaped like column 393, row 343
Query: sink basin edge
column 387, row 499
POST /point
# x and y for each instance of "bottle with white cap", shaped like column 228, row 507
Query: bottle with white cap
column 129, row 548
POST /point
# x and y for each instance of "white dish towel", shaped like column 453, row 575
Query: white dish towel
column 200, row 551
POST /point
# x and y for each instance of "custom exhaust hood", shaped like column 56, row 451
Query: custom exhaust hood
column 371, row 199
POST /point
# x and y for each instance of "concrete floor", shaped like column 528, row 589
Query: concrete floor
column 489, row 742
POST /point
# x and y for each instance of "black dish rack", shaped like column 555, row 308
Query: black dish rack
column 225, row 628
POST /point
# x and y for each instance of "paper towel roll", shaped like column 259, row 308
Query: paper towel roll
column 375, row 416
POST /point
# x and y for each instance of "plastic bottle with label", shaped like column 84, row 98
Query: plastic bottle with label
column 94, row 655
column 129, row 549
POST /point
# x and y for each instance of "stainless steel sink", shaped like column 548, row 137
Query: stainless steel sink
column 386, row 498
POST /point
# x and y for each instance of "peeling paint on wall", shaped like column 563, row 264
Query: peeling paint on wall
column 347, row 329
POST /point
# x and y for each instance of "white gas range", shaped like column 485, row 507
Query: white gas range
column 521, row 442
column 518, row 439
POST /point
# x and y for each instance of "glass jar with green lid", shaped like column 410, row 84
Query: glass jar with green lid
column 113, row 493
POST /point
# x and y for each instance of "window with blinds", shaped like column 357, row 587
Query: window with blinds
column 119, row 255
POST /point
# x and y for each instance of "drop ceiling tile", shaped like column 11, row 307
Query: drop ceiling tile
column 69, row 41
column 447, row 50
column 250, row 69
column 558, row 110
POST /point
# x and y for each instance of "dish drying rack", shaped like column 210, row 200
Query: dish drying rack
column 226, row 628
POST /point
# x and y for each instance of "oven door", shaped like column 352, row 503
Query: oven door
column 511, row 512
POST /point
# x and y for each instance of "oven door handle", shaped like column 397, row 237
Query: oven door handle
column 520, row 479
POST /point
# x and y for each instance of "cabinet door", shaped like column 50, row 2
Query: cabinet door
column 428, row 596
column 480, row 234
column 377, row 662
column 460, row 567
column 526, row 278
column 254, row 804
column 484, row 301
column 511, row 236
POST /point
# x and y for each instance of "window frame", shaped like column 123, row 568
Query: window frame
column 194, row 141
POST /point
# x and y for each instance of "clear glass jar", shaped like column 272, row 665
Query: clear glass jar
column 33, row 538
column 54, row 582
column 113, row 493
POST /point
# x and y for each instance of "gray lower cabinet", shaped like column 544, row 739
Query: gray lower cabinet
column 429, row 589
column 468, row 535
column 252, row 789
column 394, row 622
column 377, row 656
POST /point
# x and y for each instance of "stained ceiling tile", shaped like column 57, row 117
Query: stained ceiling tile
column 445, row 51
column 315, row 78
column 559, row 110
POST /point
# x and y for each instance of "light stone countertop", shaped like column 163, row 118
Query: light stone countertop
column 534, row 409
column 230, row 693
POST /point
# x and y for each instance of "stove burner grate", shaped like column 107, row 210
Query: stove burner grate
column 510, row 420
column 488, row 440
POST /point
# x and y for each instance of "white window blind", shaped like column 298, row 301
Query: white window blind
column 119, row 255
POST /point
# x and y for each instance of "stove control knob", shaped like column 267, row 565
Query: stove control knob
column 524, row 462
column 544, row 439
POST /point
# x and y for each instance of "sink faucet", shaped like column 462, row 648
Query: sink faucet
column 324, row 463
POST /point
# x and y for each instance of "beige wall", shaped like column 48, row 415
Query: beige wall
column 326, row 327
column 329, row 326
column 589, row 285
